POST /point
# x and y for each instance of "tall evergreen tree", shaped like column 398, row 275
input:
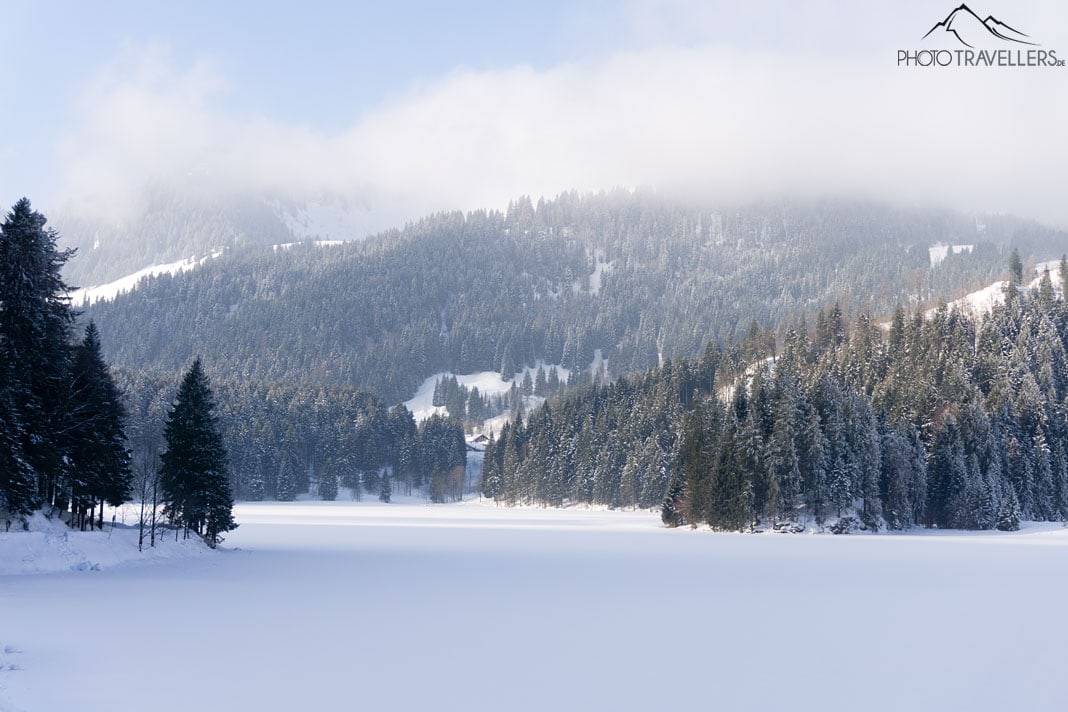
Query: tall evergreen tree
column 385, row 488
column 35, row 327
column 18, row 485
column 328, row 486
column 193, row 470
column 98, row 464
column 1015, row 267
column 286, row 485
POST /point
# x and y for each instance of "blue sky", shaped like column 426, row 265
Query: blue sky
column 317, row 64
column 412, row 107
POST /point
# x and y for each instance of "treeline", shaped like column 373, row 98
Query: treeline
column 285, row 440
column 61, row 417
column 71, row 440
column 637, row 276
column 942, row 421
column 613, row 444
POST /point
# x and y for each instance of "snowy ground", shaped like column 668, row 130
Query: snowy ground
column 52, row 547
column 322, row 606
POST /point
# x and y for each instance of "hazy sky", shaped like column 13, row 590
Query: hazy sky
column 415, row 107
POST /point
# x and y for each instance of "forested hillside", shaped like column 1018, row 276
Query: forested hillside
column 298, row 339
column 163, row 226
column 945, row 421
column 636, row 276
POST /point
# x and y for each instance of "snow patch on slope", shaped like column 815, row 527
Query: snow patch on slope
column 939, row 252
column 87, row 296
column 600, row 267
column 318, row 243
column 978, row 303
column 489, row 383
column 982, row 302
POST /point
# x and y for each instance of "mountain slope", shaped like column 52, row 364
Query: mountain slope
column 165, row 226
column 490, row 291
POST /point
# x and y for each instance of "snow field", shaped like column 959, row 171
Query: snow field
column 938, row 253
column 108, row 292
column 339, row 605
column 489, row 383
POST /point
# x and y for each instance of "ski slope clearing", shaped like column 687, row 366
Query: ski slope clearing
column 981, row 302
column 939, row 252
column 86, row 296
column 489, row 383
column 321, row 606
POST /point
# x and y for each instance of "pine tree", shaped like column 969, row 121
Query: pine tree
column 947, row 478
column 552, row 382
column 193, row 470
column 328, row 486
column 540, row 383
column 98, row 464
column 1009, row 512
column 731, row 495
column 1046, row 296
column 1015, row 268
column 1063, row 268
column 385, row 488
column 285, row 489
column 257, row 485
column 18, row 485
column 35, row 326
column 476, row 408
column 491, row 468
column 674, row 509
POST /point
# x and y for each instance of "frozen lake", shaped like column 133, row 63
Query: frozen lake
column 317, row 606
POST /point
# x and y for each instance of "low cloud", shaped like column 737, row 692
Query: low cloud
column 708, row 120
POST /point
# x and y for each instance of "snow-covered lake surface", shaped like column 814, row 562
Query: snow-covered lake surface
column 323, row 606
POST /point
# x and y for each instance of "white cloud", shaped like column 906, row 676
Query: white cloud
column 718, row 121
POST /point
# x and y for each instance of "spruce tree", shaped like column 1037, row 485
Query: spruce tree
column 385, row 488
column 1063, row 273
column 18, row 485
column 286, row 486
column 35, row 326
column 1015, row 267
column 491, row 468
column 1009, row 512
column 98, row 464
column 328, row 486
column 193, row 470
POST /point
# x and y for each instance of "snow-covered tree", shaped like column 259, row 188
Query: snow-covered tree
column 193, row 471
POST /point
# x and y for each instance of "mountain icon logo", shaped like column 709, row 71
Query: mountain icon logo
column 970, row 30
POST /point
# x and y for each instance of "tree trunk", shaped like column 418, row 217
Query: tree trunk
column 141, row 525
column 155, row 504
